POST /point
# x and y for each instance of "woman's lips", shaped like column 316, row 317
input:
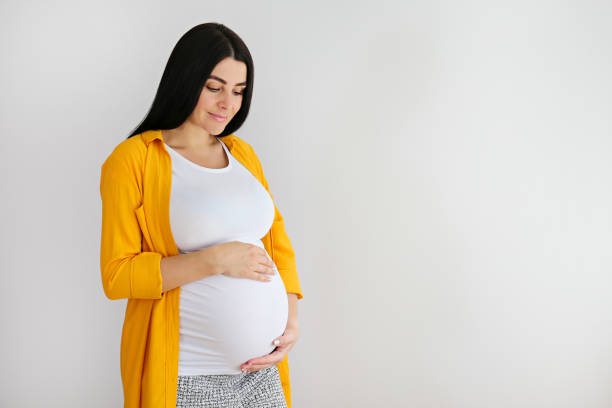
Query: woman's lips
column 218, row 118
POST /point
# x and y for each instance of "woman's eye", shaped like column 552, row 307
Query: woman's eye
column 216, row 89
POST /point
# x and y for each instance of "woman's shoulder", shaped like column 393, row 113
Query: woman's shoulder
column 130, row 152
column 245, row 153
column 239, row 146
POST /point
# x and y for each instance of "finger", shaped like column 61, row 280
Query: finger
column 259, row 361
column 255, row 367
column 265, row 258
column 262, row 277
column 266, row 265
column 265, row 269
column 274, row 357
column 247, row 368
column 284, row 340
column 279, row 353
column 263, row 252
column 250, row 369
column 256, row 360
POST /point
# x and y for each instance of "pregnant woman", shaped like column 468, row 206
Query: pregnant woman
column 192, row 239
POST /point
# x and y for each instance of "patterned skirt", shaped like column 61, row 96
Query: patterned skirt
column 258, row 389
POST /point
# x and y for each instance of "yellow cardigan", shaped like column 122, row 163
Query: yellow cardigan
column 135, row 190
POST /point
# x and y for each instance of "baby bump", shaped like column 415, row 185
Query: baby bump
column 224, row 321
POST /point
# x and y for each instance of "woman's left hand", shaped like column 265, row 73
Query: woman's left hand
column 286, row 342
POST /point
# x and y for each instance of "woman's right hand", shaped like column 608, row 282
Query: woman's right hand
column 243, row 260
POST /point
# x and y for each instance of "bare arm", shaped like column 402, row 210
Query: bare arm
column 292, row 321
column 178, row 270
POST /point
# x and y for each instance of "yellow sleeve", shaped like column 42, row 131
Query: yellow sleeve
column 127, row 272
column 282, row 254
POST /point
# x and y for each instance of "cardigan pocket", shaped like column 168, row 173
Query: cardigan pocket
column 146, row 236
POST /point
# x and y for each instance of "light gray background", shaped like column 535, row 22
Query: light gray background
column 443, row 168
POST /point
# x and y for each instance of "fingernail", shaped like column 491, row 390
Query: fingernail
column 276, row 342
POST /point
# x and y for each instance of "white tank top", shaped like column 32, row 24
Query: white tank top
column 224, row 321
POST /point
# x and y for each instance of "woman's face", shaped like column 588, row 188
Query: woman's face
column 221, row 96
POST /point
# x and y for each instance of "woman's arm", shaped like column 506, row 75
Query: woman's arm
column 178, row 270
column 126, row 271
column 292, row 321
column 281, row 248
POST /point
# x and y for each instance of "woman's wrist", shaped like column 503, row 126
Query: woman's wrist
column 292, row 323
column 292, row 320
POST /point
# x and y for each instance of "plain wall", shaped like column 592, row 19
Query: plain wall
column 443, row 168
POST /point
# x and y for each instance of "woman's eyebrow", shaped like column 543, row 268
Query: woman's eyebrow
column 225, row 82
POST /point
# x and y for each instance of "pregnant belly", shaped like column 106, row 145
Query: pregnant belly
column 225, row 321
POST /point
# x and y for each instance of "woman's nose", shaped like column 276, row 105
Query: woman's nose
column 224, row 103
column 226, row 107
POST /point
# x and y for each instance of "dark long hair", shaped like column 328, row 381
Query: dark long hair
column 192, row 60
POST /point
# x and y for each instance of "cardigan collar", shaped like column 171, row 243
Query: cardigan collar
column 149, row 135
